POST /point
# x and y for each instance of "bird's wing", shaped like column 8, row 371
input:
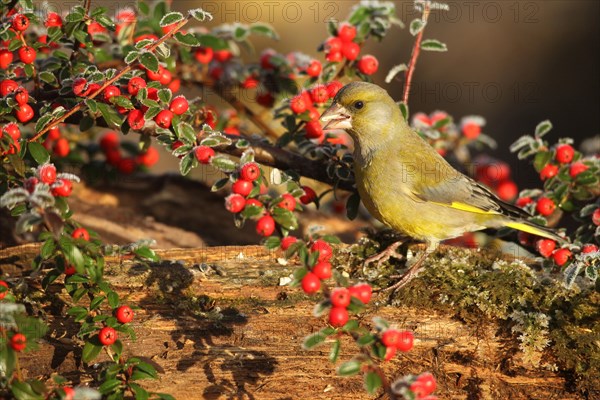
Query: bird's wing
column 463, row 193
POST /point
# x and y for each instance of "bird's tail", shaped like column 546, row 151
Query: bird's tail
column 535, row 229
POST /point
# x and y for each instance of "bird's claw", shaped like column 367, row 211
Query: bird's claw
column 385, row 255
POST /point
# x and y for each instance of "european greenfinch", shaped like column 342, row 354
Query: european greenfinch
column 406, row 184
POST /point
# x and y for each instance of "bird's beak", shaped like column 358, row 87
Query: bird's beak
column 336, row 117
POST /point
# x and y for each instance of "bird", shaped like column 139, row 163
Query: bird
column 404, row 183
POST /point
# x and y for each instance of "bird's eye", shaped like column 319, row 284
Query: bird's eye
column 359, row 104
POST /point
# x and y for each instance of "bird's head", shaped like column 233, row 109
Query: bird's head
column 364, row 110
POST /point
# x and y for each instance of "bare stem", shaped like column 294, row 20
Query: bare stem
column 109, row 82
column 415, row 55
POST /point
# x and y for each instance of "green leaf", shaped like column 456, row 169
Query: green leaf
column 24, row 391
column 313, row 340
column 285, row 218
column 264, row 29
column 78, row 312
column 90, row 351
column 187, row 163
column 272, row 242
column 122, row 101
column 335, row 351
column 47, row 77
column 213, row 41
column 149, row 61
column 349, row 368
column 131, row 56
column 220, row 184
column 39, row 152
column 541, row 159
column 372, row 382
column 140, row 392
column 416, row 26
column 366, row 340
column 144, row 371
column 146, row 253
column 586, row 178
column 43, row 121
column 542, row 128
column 109, row 386
column 110, row 115
column 433, row 45
column 223, row 163
column 165, row 95
column 86, row 123
column 47, row 249
column 200, row 15
column 350, row 326
column 240, row 33
column 170, row 19
column 187, row 39
column 96, row 302
column 113, row 299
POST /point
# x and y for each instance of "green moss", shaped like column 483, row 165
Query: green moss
column 530, row 306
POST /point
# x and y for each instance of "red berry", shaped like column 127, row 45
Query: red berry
column 322, row 270
column 324, row 249
column 250, row 83
column 333, row 44
column 126, row 165
column 242, row 186
column 107, row 336
column 313, row 114
column 368, row 64
column 149, row 157
column 69, row 392
column 390, row 338
column 53, row 19
column 334, row 56
column 314, row 68
column 222, row 55
column 70, row 270
column 496, row 172
column 235, row 203
column 418, row 389
column 265, row 59
column 507, row 190
column 265, row 226
column 390, row 352
column 168, row 28
column 62, row 188
column 309, row 195
column 47, row 173
column 471, row 130
column 564, row 153
column 523, row 201
column 346, row 32
column 179, row 105
column 577, row 168
column 136, row 119
column 319, row 94
column 155, row 76
column 265, row 99
column 311, row 283
column 526, row 239
column 298, row 105
column 12, row 130
column 428, row 381
column 549, row 171
column 287, row 241
column 288, row 202
column 111, row 91
column 545, row 247
column 81, row 87
column 30, row 184
column 81, row 233
column 135, row 84
column 165, row 76
column 124, row 314
column 8, row 86
column 340, row 297
column 204, row 55
column 596, row 217
column 250, row 171
column 333, row 87
column 94, row 28
column 545, row 206
column 204, row 154
column 18, row 342
column 21, row 95
column 109, row 141
column 3, row 293
column 362, row 291
column 6, row 58
column 61, row 147
column 164, row 118
column 314, row 130
column 406, row 341
column 351, row 50
column 27, row 54
column 589, row 248
column 561, row 256
column 24, row 113
column 338, row 316
column 20, row 22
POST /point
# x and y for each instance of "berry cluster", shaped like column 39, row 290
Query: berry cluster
column 61, row 185
column 496, row 175
column 321, row 270
column 343, row 46
column 305, row 105
column 110, row 145
column 107, row 335
column 416, row 387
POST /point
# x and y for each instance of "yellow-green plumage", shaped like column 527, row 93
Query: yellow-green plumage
column 405, row 183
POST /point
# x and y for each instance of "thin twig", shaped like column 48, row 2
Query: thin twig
column 415, row 54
